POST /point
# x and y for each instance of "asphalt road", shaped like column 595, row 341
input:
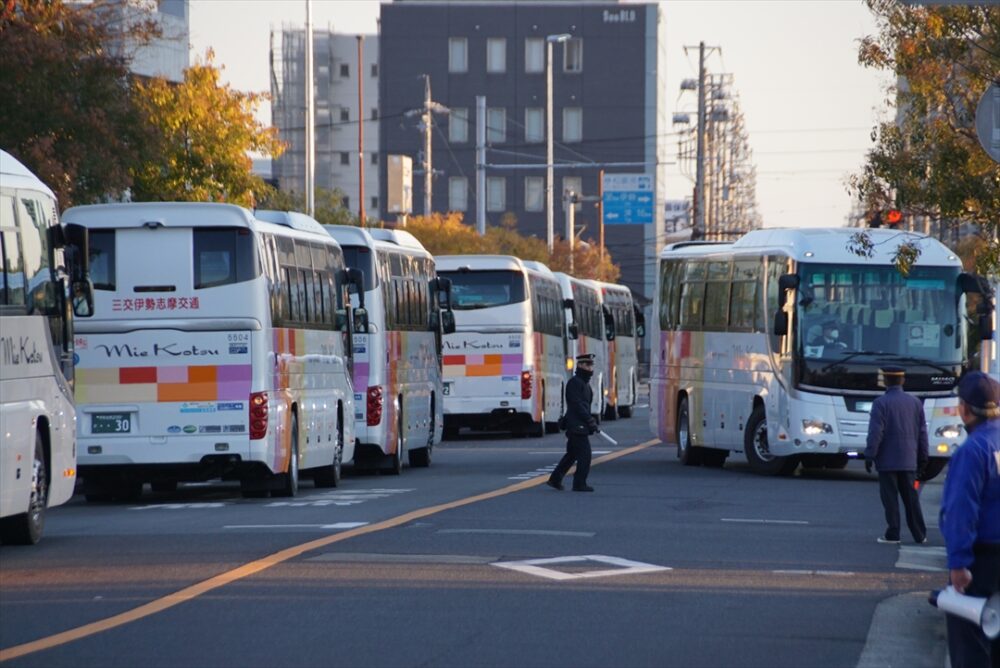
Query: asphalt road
column 474, row 562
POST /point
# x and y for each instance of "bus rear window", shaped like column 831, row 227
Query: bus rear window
column 222, row 256
column 484, row 289
column 102, row 259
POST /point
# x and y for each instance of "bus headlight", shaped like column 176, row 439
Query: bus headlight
column 815, row 427
column 949, row 431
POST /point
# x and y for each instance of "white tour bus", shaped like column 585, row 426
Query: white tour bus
column 504, row 366
column 740, row 362
column 587, row 328
column 397, row 366
column 219, row 348
column 626, row 328
column 43, row 268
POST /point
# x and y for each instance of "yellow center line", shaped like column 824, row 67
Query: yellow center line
column 246, row 570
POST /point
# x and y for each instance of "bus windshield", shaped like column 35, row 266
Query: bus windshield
column 484, row 289
column 873, row 314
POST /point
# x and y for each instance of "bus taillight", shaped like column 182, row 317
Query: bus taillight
column 374, row 405
column 258, row 415
column 525, row 384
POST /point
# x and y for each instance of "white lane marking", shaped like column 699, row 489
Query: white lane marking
column 335, row 525
column 521, row 532
column 179, row 506
column 624, row 567
column 807, row 572
column 761, row 521
column 642, row 406
column 932, row 558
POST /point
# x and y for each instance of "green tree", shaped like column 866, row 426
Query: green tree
column 927, row 160
column 202, row 134
column 329, row 205
column 67, row 110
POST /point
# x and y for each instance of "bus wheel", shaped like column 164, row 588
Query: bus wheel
column 934, row 466
column 610, row 412
column 26, row 528
column 714, row 459
column 687, row 453
column 329, row 476
column 288, row 482
column 757, row 451
column 624, row 411
column 166, row 486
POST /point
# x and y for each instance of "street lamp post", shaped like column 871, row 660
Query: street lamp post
column 549, row 158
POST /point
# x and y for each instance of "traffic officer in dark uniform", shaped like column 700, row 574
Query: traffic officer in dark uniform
column 970, row 517
column 897, row 446
column 579, row 425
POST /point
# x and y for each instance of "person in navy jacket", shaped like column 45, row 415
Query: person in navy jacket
column 897, row 446
column 970, row 517
column 580, row 424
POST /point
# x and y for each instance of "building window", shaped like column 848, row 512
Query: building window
column 534, row 125
column 458, row 193
column 496, row 125
column 345, row 202
column 458, row 54
column 374, row 70
column 573, row 55
column 374, row 113
column 572, row 183
column 458, row 125
column 345, row 114
column 572, row 124
column 534, row 55
column 345, row 158
column 534, row 193
column 496, row 55
column 345, row 70
column 374, row 202
column 496, row 193
column 374, row 158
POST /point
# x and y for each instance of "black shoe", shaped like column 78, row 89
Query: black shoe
column 585, row 488
column 554, row 485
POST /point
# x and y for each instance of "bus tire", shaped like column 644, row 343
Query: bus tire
column 687, row 453
column 610, row 412
column 713, row 459
column 253, row 489
column 761, row 461
column 624, row 411
column 26, row 528
column 288, row 482
column 934, row 466
column 329, row 476
column 163, row 486
column 420, row 457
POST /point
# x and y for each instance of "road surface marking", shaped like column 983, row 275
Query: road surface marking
column 336, row 525
column 537, row 567
column 757, row 521
column 252, row 568
column 521, row 532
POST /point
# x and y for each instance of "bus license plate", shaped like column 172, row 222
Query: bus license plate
column 111, row 423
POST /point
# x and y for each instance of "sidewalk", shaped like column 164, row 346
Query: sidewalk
column 907, row 631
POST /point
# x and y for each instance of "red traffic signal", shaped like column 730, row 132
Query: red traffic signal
column 893, row 217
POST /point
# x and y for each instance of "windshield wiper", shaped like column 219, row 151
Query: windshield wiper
column 848, row 357
column 925, row 362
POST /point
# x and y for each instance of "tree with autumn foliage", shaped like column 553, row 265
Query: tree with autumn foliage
column 328, row 205
column 202, row 134
column 927, row 161
column 446, row 234
column 67, row 110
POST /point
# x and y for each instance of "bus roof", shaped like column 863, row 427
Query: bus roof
column 13, row 174
column 167, row 214
column 348, row 235
column 539, row 267
column 399, row 237
column 292, row 219
column 823, row 245
column 478, row 262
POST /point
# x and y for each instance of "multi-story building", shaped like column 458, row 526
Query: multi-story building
column 608, row 101
column 337, row 115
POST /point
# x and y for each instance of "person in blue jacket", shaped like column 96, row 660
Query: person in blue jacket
column 580, row 424
column 897, row 446
column 970, row 517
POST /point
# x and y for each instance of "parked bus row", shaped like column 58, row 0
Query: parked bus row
column 518, row 328
column 771, row 347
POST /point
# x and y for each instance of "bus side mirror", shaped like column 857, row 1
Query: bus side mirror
column 568, row 303
column 356, row 278
column 82, row 292
column 640, row 330
column 780, row 323
column 573, row 331
column 974, row 284
column 448, row 321
column 442, row 287
column 360, row 316
column 640, row 322
column 786, row 282
column 76, row 240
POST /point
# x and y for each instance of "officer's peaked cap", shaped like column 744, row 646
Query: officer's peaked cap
column 585, row 359
column 893, row 371
column 981, row 394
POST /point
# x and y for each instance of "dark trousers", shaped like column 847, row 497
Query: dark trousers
column 577, row 450
column 968, row 646
column 894, row 485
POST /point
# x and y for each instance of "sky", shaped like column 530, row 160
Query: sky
column 809, row 106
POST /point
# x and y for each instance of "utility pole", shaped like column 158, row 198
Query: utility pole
column 310, row 118
column 428, row 169
column 698, row 229
column 481, row 164
column 569, row 206
column 361, row 133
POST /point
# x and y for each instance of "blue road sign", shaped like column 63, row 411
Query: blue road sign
column 628, row 199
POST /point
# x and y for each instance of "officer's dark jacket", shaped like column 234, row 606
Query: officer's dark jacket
column 579, row 396
column 897, row 431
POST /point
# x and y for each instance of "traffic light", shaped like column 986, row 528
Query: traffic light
column 893, row 217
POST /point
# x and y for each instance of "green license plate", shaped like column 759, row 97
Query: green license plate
column 111, row 423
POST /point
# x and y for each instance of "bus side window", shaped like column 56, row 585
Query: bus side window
column 13, row 268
